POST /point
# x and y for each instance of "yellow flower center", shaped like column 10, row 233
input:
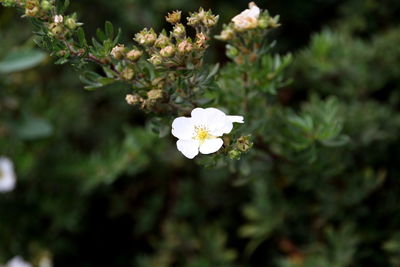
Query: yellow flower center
column 202, row 134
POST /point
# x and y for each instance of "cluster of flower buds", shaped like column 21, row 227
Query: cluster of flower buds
column 177, row 49
column 60, row 25
column 245, row 31
column 147, row 101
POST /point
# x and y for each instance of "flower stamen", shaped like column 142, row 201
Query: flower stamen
column 202, row 134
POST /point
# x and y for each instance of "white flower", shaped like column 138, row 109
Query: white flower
column 248, row 18
column 18, row 261
column 201, row 132
column 7, row 175
column 58, row 19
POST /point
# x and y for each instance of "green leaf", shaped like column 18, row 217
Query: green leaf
column 109, row 28
column 80, row 33
column 34, row 128
column 21, row 60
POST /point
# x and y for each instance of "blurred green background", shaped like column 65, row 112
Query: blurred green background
column 96, row 188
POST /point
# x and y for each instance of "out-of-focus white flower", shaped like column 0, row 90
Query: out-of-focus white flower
column 248, row 19
column 7, row 175
column 18, row 261
column 202, row 130
column 58, row 19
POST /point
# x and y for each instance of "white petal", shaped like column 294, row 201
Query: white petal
column 238, row 119
column 211, row 118
column 183, row 128
column 211, row 145
column 254, row 10
column 228, row 126
column 189, row 148
column 18, row 262
column 7, row 175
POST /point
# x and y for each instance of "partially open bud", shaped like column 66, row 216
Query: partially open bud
column 127, row 73
column 155, row 60
column 146, row 37
column 185, row 46
column 118, row 51
column 248, row 19
column 133, row 99
column 174, row 17
column 167, row 51
column 134, row 55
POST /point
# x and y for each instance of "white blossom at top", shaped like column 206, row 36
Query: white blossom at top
column 18, row 261
column 248, row 19
column 58, row 19
column 202, row 130
column 7, row 175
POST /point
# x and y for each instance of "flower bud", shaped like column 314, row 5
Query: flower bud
column 127, row 73
column 167, row 51
column 263, row 23
column 71, row 23
column 210, row 20
column 179, row 31
column 274, row 22
column 118, row 51
column 155, row 60
column 174, row 17
column 162, row 40
column 226, row 35
column 185, row 46
column 133, row 99
column 31, row 12
column 134, row 55
column 154, row 94
column 46, row 5
column 32, row 8
column 234, row 154
column 146, row 37
column 56, row 29
column 243, row 143
column 231, row 51
column 201, row 40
